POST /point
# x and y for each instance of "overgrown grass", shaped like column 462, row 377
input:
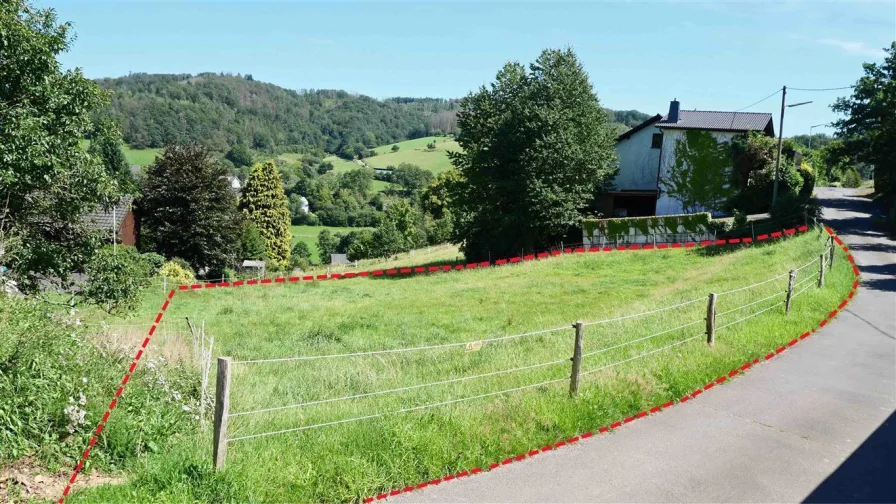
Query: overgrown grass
column 349, row 461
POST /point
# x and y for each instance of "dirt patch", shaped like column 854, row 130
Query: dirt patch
column 24, row 481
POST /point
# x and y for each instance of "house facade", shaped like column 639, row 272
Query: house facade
column 647, row 153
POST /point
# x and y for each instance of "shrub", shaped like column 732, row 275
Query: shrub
column 300, row 251
column 791, row 210
column 176, row 271
column 251, row 243
column 155, row 261
column 55, row 387
column 395, row 148
column 115, row 277
column 851, row 178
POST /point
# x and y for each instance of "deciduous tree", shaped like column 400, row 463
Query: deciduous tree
column 188, row 209
column 536, row 148
column 47, row 181
column 869, row 130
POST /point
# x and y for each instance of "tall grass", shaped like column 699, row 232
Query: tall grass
column 350, row 460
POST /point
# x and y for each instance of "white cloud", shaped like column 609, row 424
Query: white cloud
column 847, row 46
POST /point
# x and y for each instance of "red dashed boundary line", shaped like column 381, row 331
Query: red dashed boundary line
column 434, row 269
column 652, row 411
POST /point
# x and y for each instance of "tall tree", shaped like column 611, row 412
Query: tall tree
column 869, row 130
column 536, row 148
column 188, row 209
column 264, row 203
column 106, row 145
column 47, row 181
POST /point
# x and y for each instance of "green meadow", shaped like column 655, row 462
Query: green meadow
column 351, row 433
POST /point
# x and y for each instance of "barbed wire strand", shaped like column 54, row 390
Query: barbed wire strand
column 404, row 410
column 750, row 304
column 757, row 284
column 641, row 355
column 398, row 350
column 604, row 350
column 454, row 401
column 401, row 389
column 624, row 317
column 750, row 316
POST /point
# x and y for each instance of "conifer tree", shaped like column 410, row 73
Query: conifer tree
column 264, row 203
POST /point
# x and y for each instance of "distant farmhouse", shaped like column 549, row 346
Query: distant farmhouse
column 647, row 151
column 119, row 220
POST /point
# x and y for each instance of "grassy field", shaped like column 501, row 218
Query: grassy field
column 415, row 152
column 142, row 157
column 355, row 459
column 308, row 234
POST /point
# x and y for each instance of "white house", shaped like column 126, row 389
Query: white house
column 647, row 151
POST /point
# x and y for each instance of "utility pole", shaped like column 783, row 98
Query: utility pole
column 780, row 143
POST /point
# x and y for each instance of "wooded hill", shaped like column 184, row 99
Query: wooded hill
column 221, row 110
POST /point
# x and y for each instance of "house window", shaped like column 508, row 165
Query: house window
column 657, row 141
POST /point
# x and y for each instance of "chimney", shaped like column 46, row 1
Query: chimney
column 673, row 111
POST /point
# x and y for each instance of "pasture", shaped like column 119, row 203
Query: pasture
column 142, row 157
column 358, row 425
column 415, row 152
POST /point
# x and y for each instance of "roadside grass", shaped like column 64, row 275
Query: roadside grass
column 352, row 460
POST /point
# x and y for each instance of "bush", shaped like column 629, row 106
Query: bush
column 300, row 251
column 395, row 148
column 178, row 272
column 791, row 210
column 251, row 243
column 55, row 385
column 115, row 276
column 155, row 261
column 851, row 178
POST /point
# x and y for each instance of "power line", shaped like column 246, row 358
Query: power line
column 760, row 101
column 821, row 89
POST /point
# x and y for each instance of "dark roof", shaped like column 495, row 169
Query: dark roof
column 720, row 121
column 628, row 134
column 101, row 219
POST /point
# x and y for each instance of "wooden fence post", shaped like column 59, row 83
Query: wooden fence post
column 821, row 270
column 790, row 291
column 711, row 319
column 222, row 407
column 831, row 260
column 576, row 359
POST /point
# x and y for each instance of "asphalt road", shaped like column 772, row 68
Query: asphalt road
column 814, row 424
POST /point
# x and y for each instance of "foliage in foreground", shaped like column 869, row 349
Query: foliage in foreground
column 537, row 147
column 47, row 181
column 55, row 386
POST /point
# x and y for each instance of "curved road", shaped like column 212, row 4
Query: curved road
column 816, row 424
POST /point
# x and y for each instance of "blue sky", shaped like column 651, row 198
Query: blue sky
column 639, row 55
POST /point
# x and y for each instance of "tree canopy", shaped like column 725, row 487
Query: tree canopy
column 869, row 130
column 537, row 146
column 47, row 180
column 264, row 203
column 188, row 209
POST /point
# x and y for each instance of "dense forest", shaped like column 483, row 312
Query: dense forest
column 222, row 110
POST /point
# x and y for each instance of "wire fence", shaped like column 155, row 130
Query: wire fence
column 622, row 339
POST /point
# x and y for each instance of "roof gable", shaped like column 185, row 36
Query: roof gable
column 628, row 134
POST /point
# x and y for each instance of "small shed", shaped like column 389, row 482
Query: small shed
column 339, row 259
column 251, row 264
